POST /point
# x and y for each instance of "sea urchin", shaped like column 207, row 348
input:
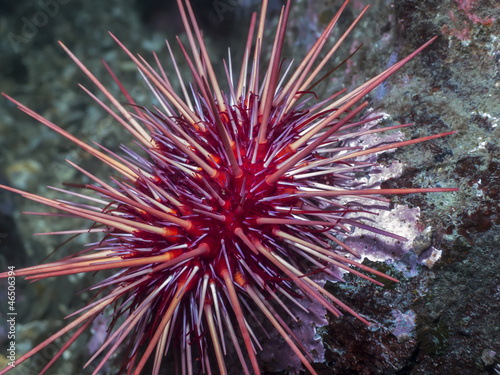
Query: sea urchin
column 238, row 197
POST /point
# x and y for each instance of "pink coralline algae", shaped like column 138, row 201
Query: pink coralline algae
column 404, row 324
column 461, row 27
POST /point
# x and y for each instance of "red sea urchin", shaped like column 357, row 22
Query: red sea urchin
column 228, row 209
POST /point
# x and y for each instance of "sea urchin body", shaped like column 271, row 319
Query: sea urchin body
column 238, row 197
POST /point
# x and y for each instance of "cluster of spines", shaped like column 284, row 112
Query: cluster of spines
column 228, row 207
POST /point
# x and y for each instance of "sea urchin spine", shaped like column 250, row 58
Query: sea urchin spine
column 237, row 199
